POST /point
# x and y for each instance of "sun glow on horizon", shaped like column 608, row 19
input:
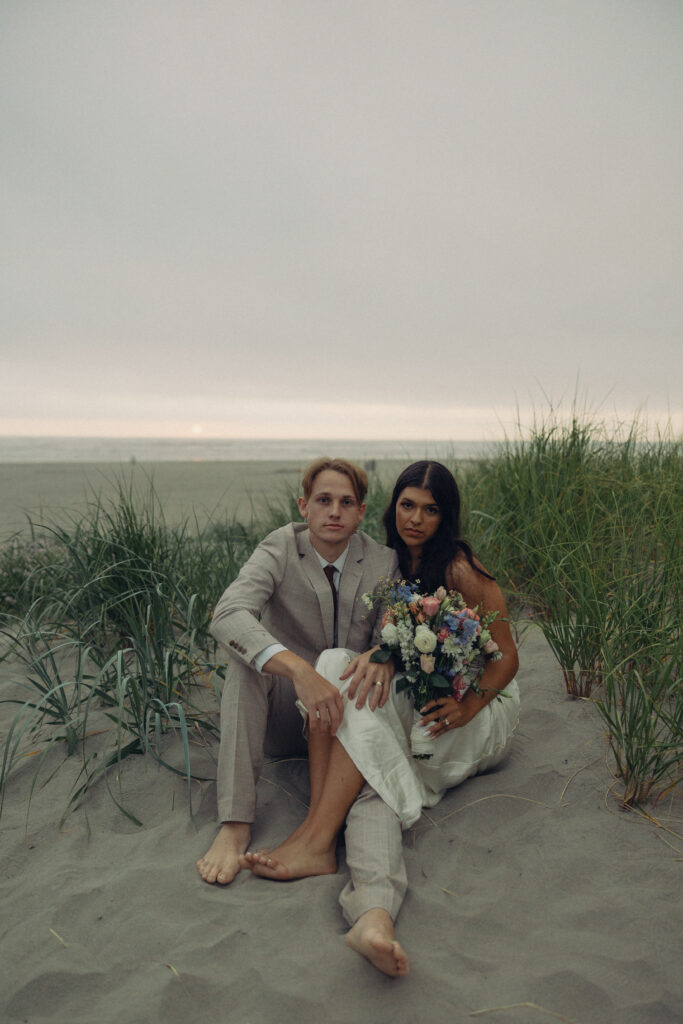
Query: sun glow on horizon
column 355, row 422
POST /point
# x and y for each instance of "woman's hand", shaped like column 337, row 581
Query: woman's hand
column 370, row 681
column 445, row 714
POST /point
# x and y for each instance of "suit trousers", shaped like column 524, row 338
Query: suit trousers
column 374, row 857
column 259, row 718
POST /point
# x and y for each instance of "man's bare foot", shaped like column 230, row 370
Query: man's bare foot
column 222, row 861
column 295, row 858
column 373, row 937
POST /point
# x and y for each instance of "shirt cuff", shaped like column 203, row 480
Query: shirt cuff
column 266, row 654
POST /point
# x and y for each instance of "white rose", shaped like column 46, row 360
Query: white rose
column 390, row 634
column 425, row 640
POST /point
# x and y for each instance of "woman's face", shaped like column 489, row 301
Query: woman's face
column 417, row 519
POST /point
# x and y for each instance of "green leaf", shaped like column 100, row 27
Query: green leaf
column 381, row 656
column 402, row 684
column 438, row 681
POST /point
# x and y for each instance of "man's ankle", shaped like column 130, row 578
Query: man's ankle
column 237, row 831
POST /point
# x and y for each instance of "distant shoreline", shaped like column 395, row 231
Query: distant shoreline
column 62, row 450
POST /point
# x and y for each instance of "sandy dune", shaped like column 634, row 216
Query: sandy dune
column 530, row 892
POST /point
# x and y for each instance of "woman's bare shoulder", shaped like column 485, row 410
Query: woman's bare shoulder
column 477, row 588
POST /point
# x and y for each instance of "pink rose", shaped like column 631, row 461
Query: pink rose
column 460, row 687
column 431, row 605
column 443, row 634
column 427, row 662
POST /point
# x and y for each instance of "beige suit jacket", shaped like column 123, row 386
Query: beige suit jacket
column 282, row 596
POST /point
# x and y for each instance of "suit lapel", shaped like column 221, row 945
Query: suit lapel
column 311, row 568
column 348, row 588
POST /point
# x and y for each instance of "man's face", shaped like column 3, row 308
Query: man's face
column 332, row 513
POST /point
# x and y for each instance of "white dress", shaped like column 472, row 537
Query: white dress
column 378, row 742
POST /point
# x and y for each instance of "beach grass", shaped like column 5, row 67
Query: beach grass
column 584, row 529
column 108, row 614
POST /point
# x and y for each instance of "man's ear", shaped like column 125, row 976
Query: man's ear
column 302, row 505
column 361, row 512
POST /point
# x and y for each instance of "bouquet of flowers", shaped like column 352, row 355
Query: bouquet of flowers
column 439, row 644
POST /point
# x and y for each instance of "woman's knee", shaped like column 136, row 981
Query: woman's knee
column 332, row 662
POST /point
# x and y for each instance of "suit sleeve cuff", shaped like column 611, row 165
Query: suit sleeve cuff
column 266, row 654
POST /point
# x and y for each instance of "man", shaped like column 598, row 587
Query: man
column 305, row 581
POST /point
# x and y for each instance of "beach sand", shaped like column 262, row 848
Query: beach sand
column 209, row 490
column 532, row 896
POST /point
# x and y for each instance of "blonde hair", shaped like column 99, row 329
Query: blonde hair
column 357, row 476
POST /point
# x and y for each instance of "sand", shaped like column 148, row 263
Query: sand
column 207, row 490
column 532, row 896
column 211, row 490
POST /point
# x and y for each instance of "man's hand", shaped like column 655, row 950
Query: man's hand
column 322, row 700
column 371, row 682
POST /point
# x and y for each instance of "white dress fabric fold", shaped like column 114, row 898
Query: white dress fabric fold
column 378, row 742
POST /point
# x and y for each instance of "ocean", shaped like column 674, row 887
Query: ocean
column 126, row 449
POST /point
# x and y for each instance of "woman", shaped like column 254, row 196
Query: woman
column 422, row 523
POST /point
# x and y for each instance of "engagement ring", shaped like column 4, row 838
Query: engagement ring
column 446, row 722
column 377, row 683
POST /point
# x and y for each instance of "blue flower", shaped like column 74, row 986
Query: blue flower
column 404, row 592
column 469, row 629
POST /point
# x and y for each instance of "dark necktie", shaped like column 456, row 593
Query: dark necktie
column 329, row 572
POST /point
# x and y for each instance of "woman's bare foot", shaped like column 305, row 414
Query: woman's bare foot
column 222, row 861
column 247, row 860
column 295, row 858
column 373, row 937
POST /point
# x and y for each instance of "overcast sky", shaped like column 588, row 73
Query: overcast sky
column 338, row 218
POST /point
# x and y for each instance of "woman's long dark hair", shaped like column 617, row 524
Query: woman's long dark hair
column 446, row 544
